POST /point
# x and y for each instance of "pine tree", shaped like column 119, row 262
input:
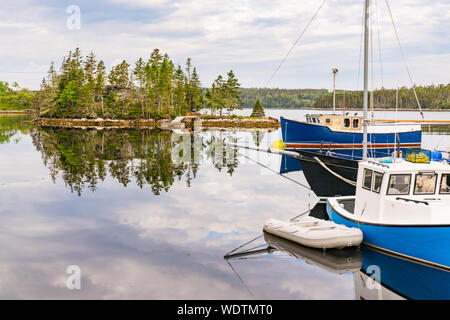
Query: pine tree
column 180, row 103
column 232, row 92
column 258, row 110
column 100, row 81
column 139, row 73
column 195, row 88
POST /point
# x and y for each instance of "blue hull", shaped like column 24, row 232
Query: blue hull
column 313, row 137
column 428, row 243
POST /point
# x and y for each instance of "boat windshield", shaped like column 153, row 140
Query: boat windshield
column 445, row 184
column 425, row 183
column 399, row 184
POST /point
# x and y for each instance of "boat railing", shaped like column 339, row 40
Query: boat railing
column 412, row 200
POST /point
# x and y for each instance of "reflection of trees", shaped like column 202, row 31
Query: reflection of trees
column 221, row 154
column 258, row 137
column 10, row 125
column 82, row 157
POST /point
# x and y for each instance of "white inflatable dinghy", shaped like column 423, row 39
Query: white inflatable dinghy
column 315, row 233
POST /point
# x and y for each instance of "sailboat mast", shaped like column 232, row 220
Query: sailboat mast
column 366, row 76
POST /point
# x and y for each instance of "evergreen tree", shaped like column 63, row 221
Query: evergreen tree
column 258, row 110
column 232, row 93
column 100, row 81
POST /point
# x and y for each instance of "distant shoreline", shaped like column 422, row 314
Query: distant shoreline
column 15, row 112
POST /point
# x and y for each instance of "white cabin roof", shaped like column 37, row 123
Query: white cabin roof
column 403, row 166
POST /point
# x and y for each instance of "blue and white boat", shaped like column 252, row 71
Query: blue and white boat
column 401, row 208
column 342, row 135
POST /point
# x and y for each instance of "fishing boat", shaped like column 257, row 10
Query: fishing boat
column 401, row 208
column 329, row 147
column 342, row 135
column 315, row 233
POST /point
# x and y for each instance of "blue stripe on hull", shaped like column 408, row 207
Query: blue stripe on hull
column 426, row 243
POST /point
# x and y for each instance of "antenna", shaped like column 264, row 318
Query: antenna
column 334, row 70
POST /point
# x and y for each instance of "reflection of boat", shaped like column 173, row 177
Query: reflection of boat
column 402, row 208
column 333, row 260
column 289, row 164
column 315, row 233
column 397, row 278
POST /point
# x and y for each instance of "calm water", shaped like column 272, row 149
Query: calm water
column 149, row 214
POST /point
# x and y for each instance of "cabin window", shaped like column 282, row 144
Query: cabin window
column 425, row 183
column 347, row 122
column 327, row 120
column 355, row 123
column 377, row 180
column 399, row 184
column 314, row 120
column 445, row 184
column 367, row 179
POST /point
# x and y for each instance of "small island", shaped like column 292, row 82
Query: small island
column 153, row 92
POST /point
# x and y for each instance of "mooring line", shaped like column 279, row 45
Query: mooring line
column 300, row 184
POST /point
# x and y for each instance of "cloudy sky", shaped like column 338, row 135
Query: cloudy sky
column 249, row 36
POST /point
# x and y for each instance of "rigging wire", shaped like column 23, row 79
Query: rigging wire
column 360, row 47
column 242, row 281
column 379, row 42
column 295, row 43
column 404, row 59
column 301, row 184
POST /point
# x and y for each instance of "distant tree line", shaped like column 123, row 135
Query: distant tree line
column 430, row 97
column 281, row 98
column 13, row 97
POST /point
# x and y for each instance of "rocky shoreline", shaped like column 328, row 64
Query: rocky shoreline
column 178, row 123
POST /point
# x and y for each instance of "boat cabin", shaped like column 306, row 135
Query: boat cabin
column 336, row 122
column 402, row 192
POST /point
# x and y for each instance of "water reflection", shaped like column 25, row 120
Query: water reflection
column 145, row 157
column 376, row 275
column 11, row 125
column 134, row 240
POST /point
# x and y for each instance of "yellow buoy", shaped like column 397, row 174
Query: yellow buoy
column 278, row 145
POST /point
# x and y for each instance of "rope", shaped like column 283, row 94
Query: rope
column 295, row 43
column 334, row 173
column 242, row 281
column 404, row 59
column 301, row 214
column 300, row 184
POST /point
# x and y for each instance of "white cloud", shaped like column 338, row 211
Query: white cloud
column 247, row 36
